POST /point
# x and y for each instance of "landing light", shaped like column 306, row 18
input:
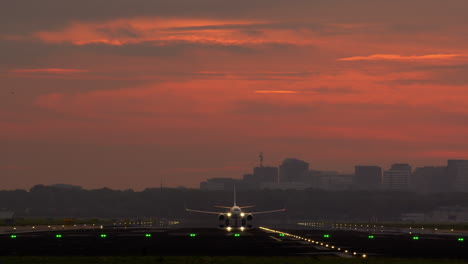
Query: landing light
column 242, row 228
column 229, row 214
column 228, row 229
column 242, row 214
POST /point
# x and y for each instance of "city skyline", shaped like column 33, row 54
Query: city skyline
column 126, row 94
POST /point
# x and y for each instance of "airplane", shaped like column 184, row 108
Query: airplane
column 235, row 217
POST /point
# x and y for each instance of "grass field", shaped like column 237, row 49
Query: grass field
column 215, row 260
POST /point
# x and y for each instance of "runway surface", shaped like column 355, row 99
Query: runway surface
column 218, row 242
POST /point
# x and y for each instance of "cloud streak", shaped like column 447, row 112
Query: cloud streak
column 395, row 57
column 49, row 71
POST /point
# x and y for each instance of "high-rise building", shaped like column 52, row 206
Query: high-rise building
column 265, row 174
column 457, row 172
column 367, row 177
column 293, row 170
column 397, row 177
column 429, row 179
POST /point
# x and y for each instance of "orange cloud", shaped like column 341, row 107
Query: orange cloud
column 49, row 71
column 163, row 30
column 276, row 92
column 404, row 58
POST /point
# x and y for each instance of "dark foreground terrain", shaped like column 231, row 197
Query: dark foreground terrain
column 202, row 245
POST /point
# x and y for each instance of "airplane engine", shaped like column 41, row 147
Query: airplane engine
column 221, row 217
column 223, row 221
column 249, row 217
column 248, row 221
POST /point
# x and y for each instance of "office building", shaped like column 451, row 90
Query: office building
column 293, row 170
column 457, row 172
column 397, row 177
column 367, row 177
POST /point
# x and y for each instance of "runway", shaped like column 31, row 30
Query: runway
column 218, row 242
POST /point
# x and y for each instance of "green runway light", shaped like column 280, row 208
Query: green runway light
column 281, row 235
column 415, row 238
column 326, row 236
column 103, row 235
column 147, row 235
column 237, row 235
column 371, row 237
column 461, row 239
column 13, row 236
column 193, row 235
column 58, row 236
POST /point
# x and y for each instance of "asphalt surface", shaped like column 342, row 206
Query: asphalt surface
column 218, row 242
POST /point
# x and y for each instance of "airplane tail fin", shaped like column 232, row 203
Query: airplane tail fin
column 235, row 196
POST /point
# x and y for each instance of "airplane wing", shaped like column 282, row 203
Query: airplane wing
column 267, row 212
column 220, row 206
column 203, row 212
column 248, row 206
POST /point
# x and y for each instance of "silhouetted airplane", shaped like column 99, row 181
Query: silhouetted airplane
column 235, row 217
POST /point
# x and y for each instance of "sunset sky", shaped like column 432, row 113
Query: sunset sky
column 126, row 94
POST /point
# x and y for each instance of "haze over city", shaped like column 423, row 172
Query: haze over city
column 126, row 94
